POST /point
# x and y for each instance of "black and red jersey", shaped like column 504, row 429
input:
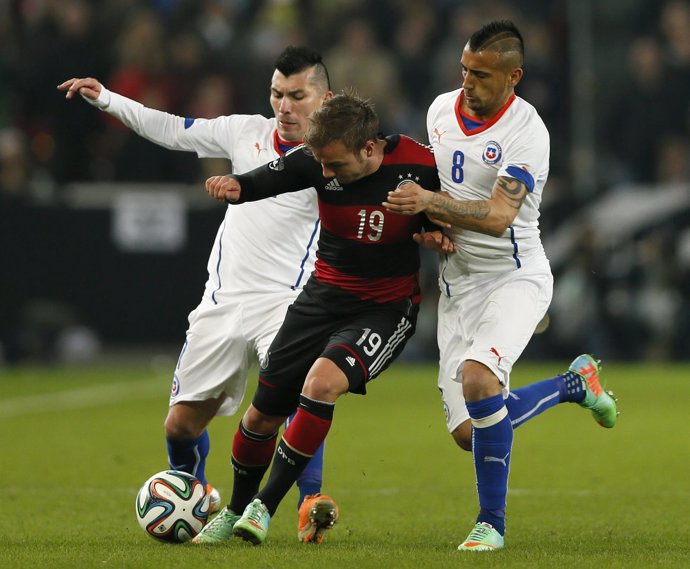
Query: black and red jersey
column 363, row 249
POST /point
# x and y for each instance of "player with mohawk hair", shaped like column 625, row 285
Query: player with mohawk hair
column 248, row 290
column 492, row 153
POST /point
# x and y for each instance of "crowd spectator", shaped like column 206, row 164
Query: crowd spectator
column 203, row 58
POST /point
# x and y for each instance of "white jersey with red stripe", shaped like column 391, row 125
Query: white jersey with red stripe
column 260, row 247
column 515, row 143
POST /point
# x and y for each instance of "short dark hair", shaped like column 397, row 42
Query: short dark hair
column 295, row 59
column 346, row 118
column 499, row 35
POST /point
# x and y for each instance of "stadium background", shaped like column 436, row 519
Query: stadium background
column 104, row 237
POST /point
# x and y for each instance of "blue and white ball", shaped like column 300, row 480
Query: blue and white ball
column 172, row 506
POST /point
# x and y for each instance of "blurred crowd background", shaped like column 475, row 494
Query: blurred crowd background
column 610, row 79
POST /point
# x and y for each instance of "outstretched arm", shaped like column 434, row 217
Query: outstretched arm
column 291, row 172
column 492, row 216
column 207, row 137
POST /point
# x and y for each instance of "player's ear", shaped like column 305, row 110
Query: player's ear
column 369, row 148
column 515, row 76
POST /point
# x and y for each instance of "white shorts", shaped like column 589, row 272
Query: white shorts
column 490, row 321
column 223, row 340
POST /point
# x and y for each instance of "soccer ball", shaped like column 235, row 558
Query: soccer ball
column 172, row 506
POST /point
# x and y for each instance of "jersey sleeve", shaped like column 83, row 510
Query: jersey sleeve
column 432, row 116
column 291, row 172
column 527, row 158
column 207, row 137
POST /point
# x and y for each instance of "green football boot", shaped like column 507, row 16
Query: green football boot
column 601, row 403
column 219, row 529
column 483, row 537
column 253, row 525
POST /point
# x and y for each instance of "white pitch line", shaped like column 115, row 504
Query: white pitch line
column 81, row 398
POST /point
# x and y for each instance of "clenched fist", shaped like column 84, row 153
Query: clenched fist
column 223, row 188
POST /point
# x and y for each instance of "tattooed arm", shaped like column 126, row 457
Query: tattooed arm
column 492, row 216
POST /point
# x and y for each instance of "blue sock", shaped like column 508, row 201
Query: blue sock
column 571, row 386
column 527, row 402
column 310, row 479
column 492, row 440
column 190, row 455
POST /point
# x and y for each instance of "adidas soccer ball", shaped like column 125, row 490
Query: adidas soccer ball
column 172, row 506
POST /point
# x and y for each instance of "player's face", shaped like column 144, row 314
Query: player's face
column 339, row 162
column 293, row 99
column 487, row 81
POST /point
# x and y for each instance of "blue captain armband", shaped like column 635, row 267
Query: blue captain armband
column 523, row 175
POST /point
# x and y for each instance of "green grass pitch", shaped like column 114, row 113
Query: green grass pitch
column 76, row 444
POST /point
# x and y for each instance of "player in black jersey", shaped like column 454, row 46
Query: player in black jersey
column 357, row 310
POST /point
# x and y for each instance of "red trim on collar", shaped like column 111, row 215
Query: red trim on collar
column 459, row 113
column 277, row 141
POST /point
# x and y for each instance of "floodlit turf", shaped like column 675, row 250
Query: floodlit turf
column 76, row 445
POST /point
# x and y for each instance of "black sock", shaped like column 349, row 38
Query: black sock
column 251, row 456
column 303, row 437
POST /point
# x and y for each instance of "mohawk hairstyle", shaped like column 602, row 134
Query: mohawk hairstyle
column 295, row 59
column 500, row 35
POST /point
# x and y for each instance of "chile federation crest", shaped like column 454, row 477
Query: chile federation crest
column 492, row 152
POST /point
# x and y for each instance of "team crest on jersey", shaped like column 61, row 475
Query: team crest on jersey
column 492, row 152
column 175, row 391
column 406, row 179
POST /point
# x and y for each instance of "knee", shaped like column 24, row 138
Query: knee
column 177, row 429
column 188, row 420
column 258, row 422
column 315, row 387
column 325, row 387
column 462, row 436
column 479, row 382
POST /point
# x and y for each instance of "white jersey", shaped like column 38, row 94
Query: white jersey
column 514, row 144
column 265, row 246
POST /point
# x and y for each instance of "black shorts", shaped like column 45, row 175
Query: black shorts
column 361, row 341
